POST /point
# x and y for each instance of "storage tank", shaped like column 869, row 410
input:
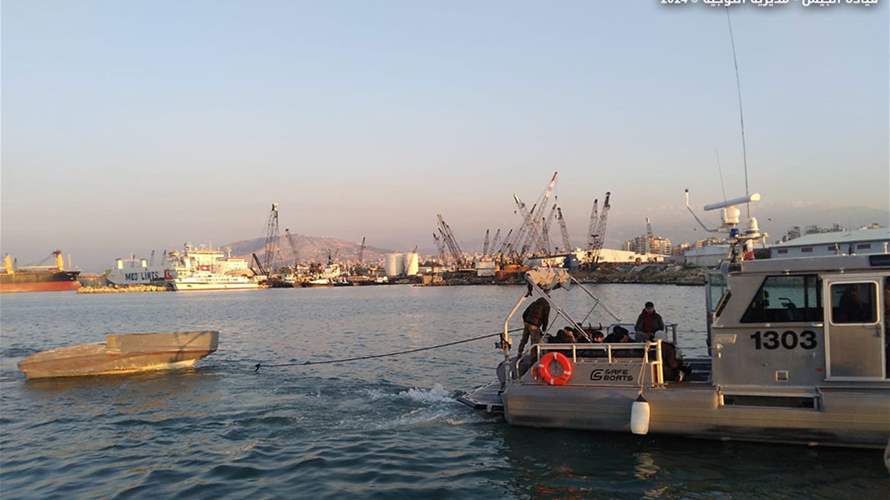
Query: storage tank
column 412, row 264
column 394, row 264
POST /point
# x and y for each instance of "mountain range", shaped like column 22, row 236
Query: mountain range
column 309, row 249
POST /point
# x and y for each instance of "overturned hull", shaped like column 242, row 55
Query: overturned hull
column 123, row 353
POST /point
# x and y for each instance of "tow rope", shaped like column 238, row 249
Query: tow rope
column 375, row 356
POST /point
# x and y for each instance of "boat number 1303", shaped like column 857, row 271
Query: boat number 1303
column 788, row 339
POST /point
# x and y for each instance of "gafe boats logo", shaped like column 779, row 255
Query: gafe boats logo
column 611, row 375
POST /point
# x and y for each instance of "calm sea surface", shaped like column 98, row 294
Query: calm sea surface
column 378, row 428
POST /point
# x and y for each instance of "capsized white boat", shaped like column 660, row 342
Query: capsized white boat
column 123, row 353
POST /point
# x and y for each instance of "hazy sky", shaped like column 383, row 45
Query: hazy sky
column 128, row 126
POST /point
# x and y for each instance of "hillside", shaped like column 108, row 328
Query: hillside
column 309, row 249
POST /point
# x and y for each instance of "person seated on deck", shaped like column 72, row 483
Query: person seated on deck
column 597, row 337
column 619, row 334
column 648, row 322
column 565, row 336
column 674, row 369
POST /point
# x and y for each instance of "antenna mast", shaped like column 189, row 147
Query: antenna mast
column 738, row 86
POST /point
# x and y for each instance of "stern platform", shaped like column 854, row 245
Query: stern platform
column 486, row 397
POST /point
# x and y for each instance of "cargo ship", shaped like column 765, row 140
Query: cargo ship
column 38, row 278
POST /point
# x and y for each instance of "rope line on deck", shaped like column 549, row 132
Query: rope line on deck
column 385, row 355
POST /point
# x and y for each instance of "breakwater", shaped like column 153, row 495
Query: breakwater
column 645, row 274
column 123, row 289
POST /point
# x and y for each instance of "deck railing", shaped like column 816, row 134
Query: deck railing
column 654, row 361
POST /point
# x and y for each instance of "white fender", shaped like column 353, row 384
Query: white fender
column 639, row 416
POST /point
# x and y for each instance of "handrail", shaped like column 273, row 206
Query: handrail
column 656, row 366
column 505, row 338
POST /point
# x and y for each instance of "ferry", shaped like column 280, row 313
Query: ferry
column 798, row 353
column 206, row 280
column 206, row 268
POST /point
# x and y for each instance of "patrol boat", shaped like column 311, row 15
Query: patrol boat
column 798, row 353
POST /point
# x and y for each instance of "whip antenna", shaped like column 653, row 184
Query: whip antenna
column 720, row 171
column 738, row 86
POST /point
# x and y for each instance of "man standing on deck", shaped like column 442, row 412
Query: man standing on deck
column 536, row 318
column 648, row 323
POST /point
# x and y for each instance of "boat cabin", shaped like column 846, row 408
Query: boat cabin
column 801, row 322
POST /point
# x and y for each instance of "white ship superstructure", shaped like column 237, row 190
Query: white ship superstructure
column 206, row 268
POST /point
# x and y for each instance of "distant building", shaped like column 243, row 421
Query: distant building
column 648, row 244
column 606, row 256
column 609, row 255
column 706, row 256
column 860, row 241
column 684, row 247
column 795, row 232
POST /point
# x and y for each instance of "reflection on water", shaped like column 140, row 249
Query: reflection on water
column 387, row 427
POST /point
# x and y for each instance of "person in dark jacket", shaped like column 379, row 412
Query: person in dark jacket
column 648, row 323
column 619, row 334
column 536, row 318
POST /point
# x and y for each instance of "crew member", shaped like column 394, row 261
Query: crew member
column 648, row 323
column 536, row 318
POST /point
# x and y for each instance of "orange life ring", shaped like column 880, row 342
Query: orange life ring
column 542, row 368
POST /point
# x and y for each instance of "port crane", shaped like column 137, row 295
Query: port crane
column 485, row 243
column 505, row 245
column 293, row 246
column 450, row 241
column 591, row 228
column 545, row 232
column 270, row 248
column 519, row 241
column 494, row 242
column 567, row 244
column 361, row 252
column 440, row 246
column 529, row 234
column 597, row 236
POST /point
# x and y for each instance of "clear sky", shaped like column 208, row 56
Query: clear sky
column 128, row 126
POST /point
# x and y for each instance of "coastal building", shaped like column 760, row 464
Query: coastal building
column 795, row 232
column 649, row 243
column 610, row 255
column 860, row 241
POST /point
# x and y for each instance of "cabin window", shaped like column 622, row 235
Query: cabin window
column 863, row 246
column 786, row 299
column 854, row 303
column 806, row 250
column 783, row 250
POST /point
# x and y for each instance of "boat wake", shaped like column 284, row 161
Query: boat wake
column 432, row 406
